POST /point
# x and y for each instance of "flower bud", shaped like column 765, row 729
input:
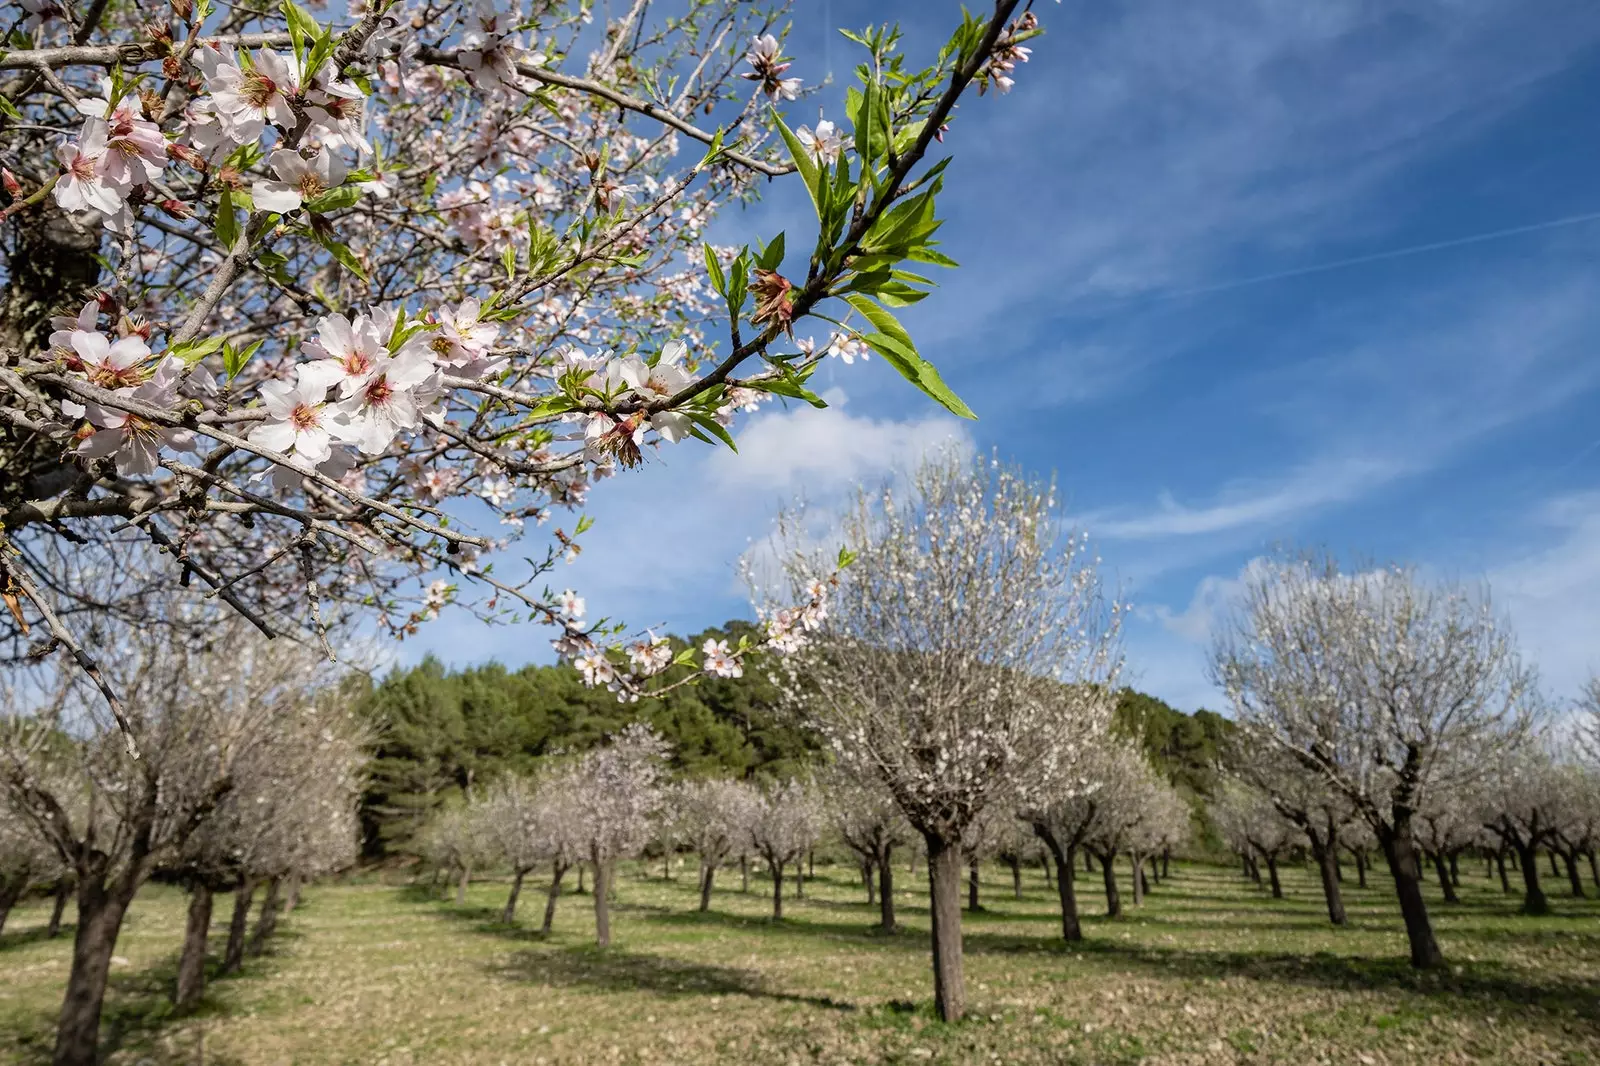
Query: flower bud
column 177, row 209
column 184, row 154
column 182, row 10
column 171, row 68
column 12, row 185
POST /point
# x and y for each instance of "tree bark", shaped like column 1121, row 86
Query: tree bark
column 1071, row 928
column 581, row 873
column 1555, row 871
column 267, row 921
column 1272, row 875
column 1166, row 860
column 1142, row 883
column 1533, row 901
column 461, row 885
column 1327, row 860
column 291, row 896
column 1455, row 868
column 1136, row 862
column 1446, row 884
column 973, row 903
column 799, row 880
column 1361, row 868
column 556, row 871
column 509, row 915
column 1088, row 862
column 238, row 924
column 1401, row 855
column 1049, row 870
column 63, row 894
column 10, row 893
column 192, row 963
column 602, row 904
column 870, row 880
column 944, row 889
column 100, row 913
column 1594, row 869
column 1108, row 867
column 1500, row 861
column 744, row 874
column 777, row 890
column 1571, row 859
column 1016, row 877
column 707, row 872
column 886, row 920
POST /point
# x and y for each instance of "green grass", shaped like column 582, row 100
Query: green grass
column 1209, row 970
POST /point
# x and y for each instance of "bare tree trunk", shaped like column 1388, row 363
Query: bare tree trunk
column 1244, row 857
column 1488, row 866
column 291, row 897
column 886, row 920
column 1594, row 869
column 666, row 864
column 239, row 923
column 870, row 880
column 509, row 915
column 944, row 886
column 1500, row 861
column 1108, row 867
column 192, row 963
column 100, row 912
column 602, row 904
column 581, row 869
column 1071, row 928
column 1088, row 862
column 1533, row 901
column 708, row 873
column 63, row 894
column 1166, row 861
column 811, row 863
column 10, row 893
column 1555, row 871
column 1136, row 863
column 1015, row 862
column 1327, row 866
column 973, row 904
column 1049, row 870
column 1455, row 868
column 554, row 893
column 1514, row 865
column 1361, row 868
column 267, row 921
column 1401, row 855
column 1272, row 874
column 799, row 880
column 1446, row 884
column 461, row 885
column 744, row 874
column 777, row 890
column 1571, row 859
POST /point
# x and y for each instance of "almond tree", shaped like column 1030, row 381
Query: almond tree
column 712, row 816
column 1063, row 818
column 1518, row 802
column 870, row 824
column 785, row 822
column 1127, row 802
column 616, row 793
column 1251, row 823
column 1577, row 829
column 26, row 859
column 967, row 659
column 1380, row 683
column 316, row 303
column 509, row 812
column 1445, row 826
column 193, row 711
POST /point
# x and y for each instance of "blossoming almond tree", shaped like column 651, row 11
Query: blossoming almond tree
column 307, row 302
column 967, row 660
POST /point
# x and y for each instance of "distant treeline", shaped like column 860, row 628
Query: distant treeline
column 443, row 731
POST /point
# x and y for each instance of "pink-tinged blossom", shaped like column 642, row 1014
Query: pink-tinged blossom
column 463, row 338
column 438, row 595
column 650, row 656
column 847, row 348
column 384, row 403
column 108, row 364
column 336, row 113
column 247, row 99
column 300, row 180
column 84, row 185
column 719, row 661
column 135, row 151
column 38, row 12
column 134, row 442
column 63, row 326
column 295, row 420
column 767, row 67
column 825, row 143
column 345, row 353
column 571, row 607
column 497, row 491
column 595, row 668
column 490, row 52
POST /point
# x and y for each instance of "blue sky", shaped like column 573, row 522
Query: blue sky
column 1240, row 275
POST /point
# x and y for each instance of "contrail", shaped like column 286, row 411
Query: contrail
column 1396, row 253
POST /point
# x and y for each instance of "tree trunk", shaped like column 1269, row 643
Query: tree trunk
column 581, row 873
column 1016, row 877
column 972, row 887
column 1108, row 867
column 1571, row 859
column 708, row 873
column 1555, row 871
column 1361, row 868
column 886, row 921
column 1533, row 901
column 11, row 892
column 556, row 871
column 602, row 904
column 1455, row 868
column 267, row 921
column 1244, row 858
column 944, row 894
column 239, row 924
column 291, row 897
column 1136, row 862
column 1141, row 883
column 1488, row 866
column 1071, row 928
column 1500, row 861
column 192, row 963
column 1327, row 860
column 100, row 912
column 777, row 890
column 1594, row 869
column 1166, row 860
column 1401, row 855
column 1049, row 870
column 744, row 874
column 799, row 880
column 1272, row 874
column 461, row 885
column 63, row 894
column 1088, row 862
column 870, row 880
column 1514, row 865
column 509, row 915
column 1445, row 883
column 811, row 862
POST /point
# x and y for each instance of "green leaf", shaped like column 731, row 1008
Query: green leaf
column 225, row 225
column 344, row 255
column 711, row 152
column 560, row 403
column 234, row 360
column 714, row 267
column 584, row 524
column 334, row 199
column 771, row 257
column 191, row 352
column 711, row 425
column 508, row 259
column 895, row 345
column 806, row 164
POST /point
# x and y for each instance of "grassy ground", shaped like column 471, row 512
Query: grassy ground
column 1208, row 971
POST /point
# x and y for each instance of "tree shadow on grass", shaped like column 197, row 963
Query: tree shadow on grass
column 616, row 970
column 34, row 934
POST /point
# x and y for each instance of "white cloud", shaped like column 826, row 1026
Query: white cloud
column 1553, row 593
